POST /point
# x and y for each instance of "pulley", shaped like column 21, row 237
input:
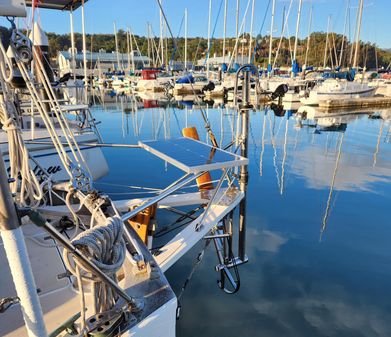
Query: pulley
column 21, row 44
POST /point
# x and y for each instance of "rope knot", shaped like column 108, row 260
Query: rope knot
column 10, row 125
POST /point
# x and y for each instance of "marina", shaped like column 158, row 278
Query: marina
column 166, row 185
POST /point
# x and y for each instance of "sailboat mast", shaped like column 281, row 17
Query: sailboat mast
column 271, row 38
column 327, row 42
column 237, row 26
column 208, row 51
column 344, row 33
column 116, row 44
column 294, row 61
column 73, row 45
column 359, row 21
column 225, row 28
column 131, row 49
column 149, row 44
column 161, row 32
column 186, row 38
column 251, row 32
column 308, row 38
column 83, row 26
column 128, row 50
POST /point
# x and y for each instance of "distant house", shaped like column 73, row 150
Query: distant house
column 179, row 65
column 100, row 62
column 217, row 61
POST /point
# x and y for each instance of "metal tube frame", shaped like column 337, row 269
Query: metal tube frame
column 181, row 182
column 41, row 222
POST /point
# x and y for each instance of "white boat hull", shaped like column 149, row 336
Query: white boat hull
column 48, row 158
column 315, row 97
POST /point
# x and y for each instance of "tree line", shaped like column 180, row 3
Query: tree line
column 369, row 55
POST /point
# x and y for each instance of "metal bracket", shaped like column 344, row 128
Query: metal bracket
column 80, row 178
column 108, row 323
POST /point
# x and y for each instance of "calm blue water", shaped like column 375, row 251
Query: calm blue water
column 319, row 221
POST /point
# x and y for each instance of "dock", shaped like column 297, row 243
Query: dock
column 356, row 103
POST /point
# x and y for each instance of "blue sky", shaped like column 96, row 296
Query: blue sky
column 100, row 15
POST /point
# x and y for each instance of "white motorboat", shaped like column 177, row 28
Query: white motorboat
column 334, row 89
column 153, row 80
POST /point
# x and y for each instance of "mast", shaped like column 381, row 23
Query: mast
column 128, row 49
column 359, row 21
column 294, row 61
column 185, row 38
column 237, row 26
column 72, row 44
column 251, row 32
column 208, row 51
column 225, row 28
column 131, row 49
column 161, row 32
column 308, row 38
column 327, row 42
column 149, row 45
column 243, row 40
column 84, row 51
column 116, row 44
column 166, row 43
column 150, row 41
column 269, row 66
column 344, row 33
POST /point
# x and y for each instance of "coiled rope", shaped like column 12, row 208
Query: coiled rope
column 105, row 247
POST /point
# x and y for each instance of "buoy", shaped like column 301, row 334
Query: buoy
column 205, row 181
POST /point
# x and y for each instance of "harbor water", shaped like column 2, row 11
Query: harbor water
column 319, row 218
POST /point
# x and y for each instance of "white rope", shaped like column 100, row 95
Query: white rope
column 31, row 193
column 5, row 63
column 105, row 247
column 73, row 145
column 49, row 125
column 56, row 109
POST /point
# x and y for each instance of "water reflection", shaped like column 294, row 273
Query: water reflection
column 312, row 176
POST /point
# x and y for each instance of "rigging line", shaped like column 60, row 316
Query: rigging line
column 260, row 32
column 68, row 134
column 207, row 124
column 282, row 33
column 213, row 32
column 130, row 186
column 239, row 34
column 176, row 46
column 196, row 53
